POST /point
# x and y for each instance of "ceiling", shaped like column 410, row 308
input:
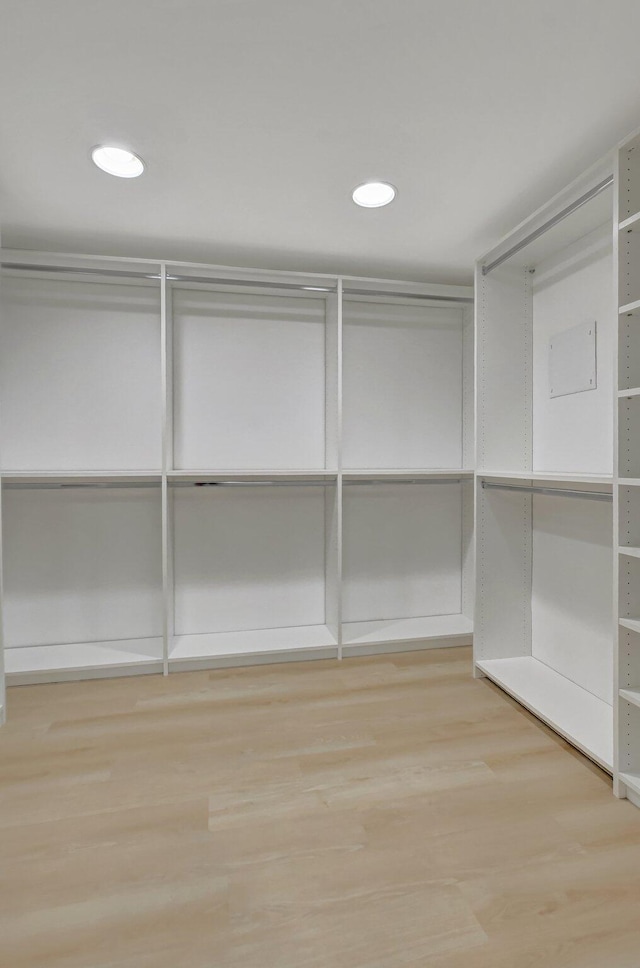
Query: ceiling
column 256, row 118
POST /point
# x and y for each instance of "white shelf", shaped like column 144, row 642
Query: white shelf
column 421, row 629
column 420, row 474
column 310, row 474
column 632, row 780
column 226, row 647
column 552, row 477
column 629, row 482
column 89, row 477
column 82, row 660
column 583, row 719
column 629, row 552
column 632, row 392
column 627, row 223
column 631, row 695
column 633, row 624
column 630, row 309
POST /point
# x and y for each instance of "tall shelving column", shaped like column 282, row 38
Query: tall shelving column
column 627, row 246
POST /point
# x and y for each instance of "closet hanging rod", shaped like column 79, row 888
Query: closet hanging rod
column 558, row 491
column 76, row 485
column 549, row 224
column 275, row 483
column 348, row 291
column 416, row 480
column 81, row 270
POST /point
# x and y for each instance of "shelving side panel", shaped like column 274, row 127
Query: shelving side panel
column 248, row 558
column 468, row 460
column 249, row 380
column 502, row 626
column 402, row 551
column 573, row 432
column 79, row 375
column 3, row 691
column 504, row 369
column 81, row 566
column 571, row 604
column 402, row 375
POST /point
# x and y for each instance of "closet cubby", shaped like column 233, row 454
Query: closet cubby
column 253, row 571
column 80, row 380
column 82, row 568
column 403, row 376
column 404, row 550
column 546, row 354
column 254, row 377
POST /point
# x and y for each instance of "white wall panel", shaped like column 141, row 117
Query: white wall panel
column 248, row 558
column 80, row 381
column 402, row 551
column 571, row 607
column 249, row 380
column 81, row 565
column 402, row 399
column 574, row 432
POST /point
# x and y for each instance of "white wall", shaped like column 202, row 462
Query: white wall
column 402, row 373
column 248, row 558
column 81, row 565
column 574, row 432
column 402, row 551
column 571, row 603
column 79, row 376
column 249, row 381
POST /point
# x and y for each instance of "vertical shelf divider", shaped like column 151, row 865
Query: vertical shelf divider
column 166, row 335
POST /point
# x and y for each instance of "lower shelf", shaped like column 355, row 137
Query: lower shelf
column 577, row 715
column 211, row 649
column 82, row 660
column 632, row 782
column 364, row 636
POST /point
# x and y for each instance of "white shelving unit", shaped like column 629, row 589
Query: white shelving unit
column 627, row 243
column 546, row 392
column 204, row 466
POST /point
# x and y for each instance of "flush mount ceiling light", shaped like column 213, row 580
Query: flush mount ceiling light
column 373, row 194
column 117, row 161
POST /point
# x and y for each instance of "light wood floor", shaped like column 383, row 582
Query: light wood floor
column 388, row 812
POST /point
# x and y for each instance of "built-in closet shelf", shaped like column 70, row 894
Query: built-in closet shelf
column 632, row 780
column 631, row 695
column 312, row 474
column 627, row 223
column 631, row 392
column 544, row 477
column 630, row 309
column 633, row 624
column 421, row 474
column 404, row 630
column 228, row 648
column 629, row 552
column 630, row 482
column 582, row 718
column 82, row 660
column 88, row 477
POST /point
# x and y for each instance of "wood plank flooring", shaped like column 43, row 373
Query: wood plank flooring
column 385, row 812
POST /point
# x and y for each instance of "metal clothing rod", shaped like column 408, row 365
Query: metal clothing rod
column 251, row 483
column 92, row 485
column 569, row 210
column 433, row 480
column 81, row 270
column 261, row 284
column 406, row 295
column 559, row 491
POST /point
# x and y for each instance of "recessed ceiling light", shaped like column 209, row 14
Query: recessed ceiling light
column 373, row 194
column 117, row 161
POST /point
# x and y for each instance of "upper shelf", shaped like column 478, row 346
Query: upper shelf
column 630, row 309
column 406, row 474
column 553, row 477
column 628, row 223
column 80, row 476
